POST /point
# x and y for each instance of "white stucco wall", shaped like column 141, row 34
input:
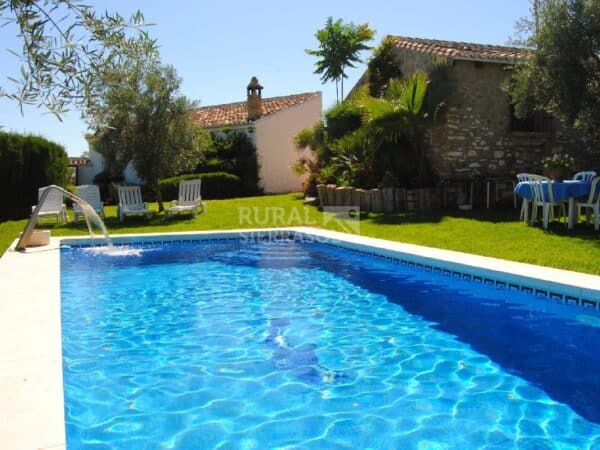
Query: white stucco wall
column 272, row 136
column 97, row 166
column 275, row 149
column 131, row 176
column 86, row 174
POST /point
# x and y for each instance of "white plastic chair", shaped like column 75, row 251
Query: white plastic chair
column 592, row 203
column 585, row 176
column 190, row 199
column 131, row 203
column 521, row 177
column 91, row 194
column 53, row 206
column 547, row 204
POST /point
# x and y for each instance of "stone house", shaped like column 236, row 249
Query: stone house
column 271, row 123
column 478, row 135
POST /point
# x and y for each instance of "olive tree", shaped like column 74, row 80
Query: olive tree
column 67, row 50
column 561, row 73
column 144, row 119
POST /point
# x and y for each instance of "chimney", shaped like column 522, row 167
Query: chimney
column 254, row 99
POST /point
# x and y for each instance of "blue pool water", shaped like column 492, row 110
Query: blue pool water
column 302, row 345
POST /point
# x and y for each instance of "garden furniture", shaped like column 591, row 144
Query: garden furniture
column 585, row 176
column 592, row 203
column 567, row 190
column 53, row 206
column 131, row 203
column 91, row 194
column 189, row 199
column 543, row 196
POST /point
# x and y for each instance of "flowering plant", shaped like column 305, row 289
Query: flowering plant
column 558, row 160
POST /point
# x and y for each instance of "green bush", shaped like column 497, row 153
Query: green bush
column 103, row 180
column 214, row 185
column 233, row 152
column 382, row 67
column 343, row 119
column 26, row 164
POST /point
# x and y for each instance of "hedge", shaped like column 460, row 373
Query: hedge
column 233, row 152
column 214, row 185
column 26, row 164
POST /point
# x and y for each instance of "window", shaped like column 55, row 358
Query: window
column 538, row 122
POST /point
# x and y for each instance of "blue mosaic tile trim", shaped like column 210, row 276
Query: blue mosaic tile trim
column 501, row 284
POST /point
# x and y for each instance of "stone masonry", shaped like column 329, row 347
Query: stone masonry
column 473, row 136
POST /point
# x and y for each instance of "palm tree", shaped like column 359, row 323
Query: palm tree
column 339, row 48
column 409, row 106
column 316, row 140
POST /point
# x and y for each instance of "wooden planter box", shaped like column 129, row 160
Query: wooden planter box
column 399, row 199
column 381, row 200
column 322, row 192
column 331, row 194
column 356, row 195
column 340, row 196
column 366, row 204
column 387, row 195
column 348, row 195
column 376, row 200
column 423, row 199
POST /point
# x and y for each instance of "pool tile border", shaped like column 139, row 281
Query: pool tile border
column 561, row 291
column 31, row 360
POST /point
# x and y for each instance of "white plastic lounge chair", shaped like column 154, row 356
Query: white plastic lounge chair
column 585, row 176
column 189, row 200
column 53, row 207
column 547, row 203
column 131, row 203
column 91, row 194
column 592, row 203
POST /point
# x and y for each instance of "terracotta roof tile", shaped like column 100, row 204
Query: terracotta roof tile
column 75, row 161
column 461, row 50
column 237, row 113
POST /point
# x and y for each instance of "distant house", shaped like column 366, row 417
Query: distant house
column 271, row 123
column 78, row 170
column 479, row 135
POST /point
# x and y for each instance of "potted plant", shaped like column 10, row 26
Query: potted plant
column 557, row 165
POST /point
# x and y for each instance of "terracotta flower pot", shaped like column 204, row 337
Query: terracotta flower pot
column 557, row 173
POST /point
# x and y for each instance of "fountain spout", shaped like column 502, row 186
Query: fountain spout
column 88, row 212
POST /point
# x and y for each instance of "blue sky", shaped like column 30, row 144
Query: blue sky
column 217, row 46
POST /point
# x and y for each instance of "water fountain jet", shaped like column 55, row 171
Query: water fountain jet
column 88, row 212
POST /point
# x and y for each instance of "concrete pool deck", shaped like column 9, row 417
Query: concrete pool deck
column 31, row 386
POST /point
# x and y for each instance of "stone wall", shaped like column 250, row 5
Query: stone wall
column 473, row 136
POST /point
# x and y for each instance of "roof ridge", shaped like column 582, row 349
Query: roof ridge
column 445, row 41
column 237, row 112
column 243, row 102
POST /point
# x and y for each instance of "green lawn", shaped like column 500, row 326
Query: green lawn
column 497, row 233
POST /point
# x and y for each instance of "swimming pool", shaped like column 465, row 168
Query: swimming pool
column 258, row 344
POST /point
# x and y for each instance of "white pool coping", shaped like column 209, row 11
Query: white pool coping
column 31, row 385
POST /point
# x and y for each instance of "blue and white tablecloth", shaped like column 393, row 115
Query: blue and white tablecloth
column 561, row 191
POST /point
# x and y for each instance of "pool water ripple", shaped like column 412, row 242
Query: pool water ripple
column 298, row 345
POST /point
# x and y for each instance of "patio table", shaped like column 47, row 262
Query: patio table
column 561, row 191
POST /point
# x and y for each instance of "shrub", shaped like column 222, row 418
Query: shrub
column 26, row 164
column 214, row 185
column 343, row 119
column 103, row 180
column 233, row 152
column 382, row 67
